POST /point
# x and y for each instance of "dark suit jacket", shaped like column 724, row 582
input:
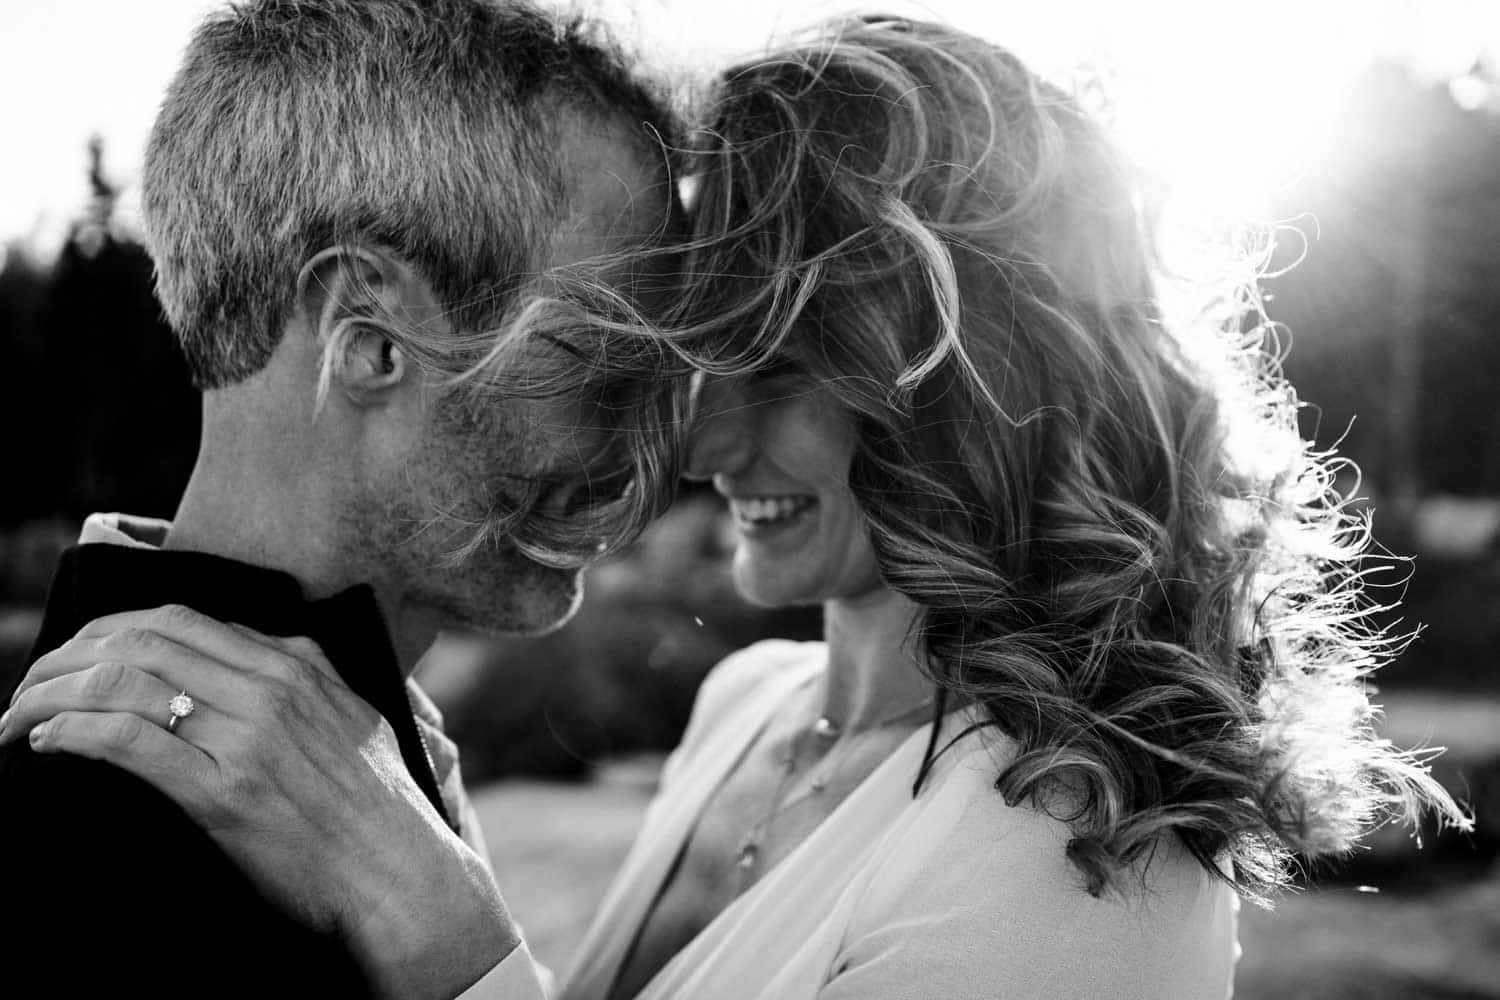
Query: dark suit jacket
column 107, row 887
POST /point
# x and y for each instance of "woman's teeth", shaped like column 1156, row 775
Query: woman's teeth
column 768, row 510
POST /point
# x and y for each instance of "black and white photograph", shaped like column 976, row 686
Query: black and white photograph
column 684, row 500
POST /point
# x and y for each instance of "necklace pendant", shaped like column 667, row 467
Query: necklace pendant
column 826, row 728
column 749, row 854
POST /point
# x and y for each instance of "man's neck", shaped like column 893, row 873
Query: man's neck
column 248, row 503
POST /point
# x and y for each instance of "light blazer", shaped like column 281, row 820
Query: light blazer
column 951, row 894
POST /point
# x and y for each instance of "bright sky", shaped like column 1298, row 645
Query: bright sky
column 1224, row 100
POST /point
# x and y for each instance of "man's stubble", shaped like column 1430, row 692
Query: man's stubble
column 416, row 525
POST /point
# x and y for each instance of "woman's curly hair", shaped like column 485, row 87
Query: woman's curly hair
column 1122, row 548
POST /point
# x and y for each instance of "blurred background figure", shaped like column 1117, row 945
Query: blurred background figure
column 1364, row 137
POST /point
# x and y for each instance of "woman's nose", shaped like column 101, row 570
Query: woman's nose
column 722, row 434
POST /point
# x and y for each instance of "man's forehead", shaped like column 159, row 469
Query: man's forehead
column 620, row 189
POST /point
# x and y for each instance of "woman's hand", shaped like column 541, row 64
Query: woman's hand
column 292, row 774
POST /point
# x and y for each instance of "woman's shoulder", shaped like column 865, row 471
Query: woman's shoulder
column 762, row 661
column 738, row 679
column 976, row 876
column 743, row 673
column 1024, row 845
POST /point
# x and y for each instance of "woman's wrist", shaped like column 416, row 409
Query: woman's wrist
column 435, row 932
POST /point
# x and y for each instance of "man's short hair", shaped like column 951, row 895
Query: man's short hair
column 427, row 126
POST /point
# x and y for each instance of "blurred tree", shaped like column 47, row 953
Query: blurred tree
column 1393, row 317
column 1394, row 308
column 109, row 415
column 24, row 280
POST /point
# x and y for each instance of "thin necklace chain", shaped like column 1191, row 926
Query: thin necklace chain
column 747, row 854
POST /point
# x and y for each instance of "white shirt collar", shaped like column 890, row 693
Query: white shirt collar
column 124, row 529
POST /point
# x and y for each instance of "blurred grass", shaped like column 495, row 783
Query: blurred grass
column 555, row 847
column 1342, row 944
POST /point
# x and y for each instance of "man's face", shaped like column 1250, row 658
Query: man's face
column 466, row 459
column 467, row 465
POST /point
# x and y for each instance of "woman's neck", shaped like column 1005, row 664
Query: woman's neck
column 873, row 668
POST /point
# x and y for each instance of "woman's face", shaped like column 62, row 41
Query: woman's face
column 779, row 449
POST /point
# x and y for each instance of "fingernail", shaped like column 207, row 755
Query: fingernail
column 39, row 735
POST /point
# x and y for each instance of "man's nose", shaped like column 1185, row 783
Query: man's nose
column 722, row 436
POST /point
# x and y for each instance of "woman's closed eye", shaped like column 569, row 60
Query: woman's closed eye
column 782, row 379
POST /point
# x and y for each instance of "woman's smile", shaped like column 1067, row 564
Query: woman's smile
column 762, row 516
column 779, row 450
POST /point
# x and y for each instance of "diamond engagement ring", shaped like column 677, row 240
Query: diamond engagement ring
column 181, row 706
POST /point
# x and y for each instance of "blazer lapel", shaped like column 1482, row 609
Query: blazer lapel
column 668, row 823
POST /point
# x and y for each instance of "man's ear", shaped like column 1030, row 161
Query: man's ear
column 353, row 300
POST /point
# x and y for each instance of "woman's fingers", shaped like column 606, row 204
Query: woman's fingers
column 299, row 647
column 210, row 637
column 175, row 664
column 177, row 768
column 185, row 649
column 104, row 687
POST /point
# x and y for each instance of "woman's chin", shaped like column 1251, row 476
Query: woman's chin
column 771, row 583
